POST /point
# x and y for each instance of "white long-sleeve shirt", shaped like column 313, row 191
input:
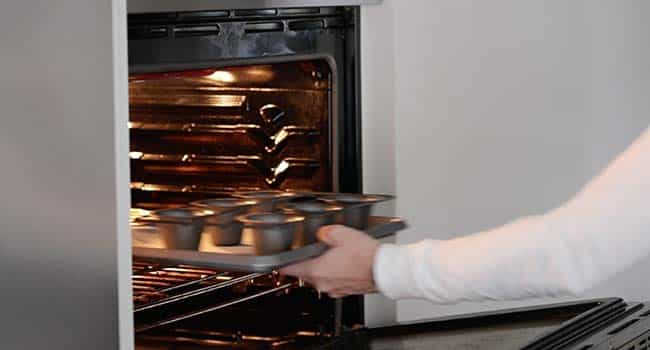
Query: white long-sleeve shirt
column 604, row 229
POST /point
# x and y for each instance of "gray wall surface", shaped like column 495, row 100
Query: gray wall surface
column 509, row 107
column 64, row 177
column 502, row 109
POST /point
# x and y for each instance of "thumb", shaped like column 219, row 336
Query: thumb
column 333, row 235
column 298, row 270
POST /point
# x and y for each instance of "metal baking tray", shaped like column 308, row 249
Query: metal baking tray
column 379, row 227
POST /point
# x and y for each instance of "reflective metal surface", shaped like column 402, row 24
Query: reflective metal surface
column 271, row 233
column 209, row 131
column 63, row 143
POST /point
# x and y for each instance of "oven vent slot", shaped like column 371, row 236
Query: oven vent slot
column 300, row 11
column 263, row 27
column 203, row 15
column 196, row 30
column 172, row 17
column 306, row 25
column 148, row 32
column 256, row 12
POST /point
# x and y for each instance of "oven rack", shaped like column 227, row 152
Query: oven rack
column 209, row 338
column 159, row 284
column 202, row 166
column 165, row 294
column 205, row 134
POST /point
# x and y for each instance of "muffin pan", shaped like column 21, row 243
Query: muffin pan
column 277, row 238
column 244, row 260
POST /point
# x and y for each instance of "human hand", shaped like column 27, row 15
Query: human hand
column 345, row 269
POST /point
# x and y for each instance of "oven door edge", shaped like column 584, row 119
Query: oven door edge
column 591, row 324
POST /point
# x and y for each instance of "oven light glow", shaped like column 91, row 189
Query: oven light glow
column 280, row 136
column 130, row 125
column 222, row 76
column 260, row 73
column 136, row 155
column 281, row 168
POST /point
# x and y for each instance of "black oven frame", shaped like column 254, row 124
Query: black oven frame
column 299, row 34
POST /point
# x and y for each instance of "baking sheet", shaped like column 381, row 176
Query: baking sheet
column 147, row 244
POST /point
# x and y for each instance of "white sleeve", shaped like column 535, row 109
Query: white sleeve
column 604, row 229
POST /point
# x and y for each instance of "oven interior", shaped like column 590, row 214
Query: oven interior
column 209, row 132
column 237, row 100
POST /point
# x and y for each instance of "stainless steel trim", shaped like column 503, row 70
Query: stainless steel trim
column 64, row 146
column 151, row 6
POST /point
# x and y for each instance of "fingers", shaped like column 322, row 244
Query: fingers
column 344, row 269
column 333, row 235
column 302, row 269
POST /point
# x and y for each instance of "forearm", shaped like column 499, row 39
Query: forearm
column 603, row 229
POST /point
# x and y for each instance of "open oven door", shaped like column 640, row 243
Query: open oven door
column 591, row 324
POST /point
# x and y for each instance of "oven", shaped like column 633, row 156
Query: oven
column 226, row 101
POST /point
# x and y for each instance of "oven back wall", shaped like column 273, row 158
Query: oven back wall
column 506, row 108
column 64, row 177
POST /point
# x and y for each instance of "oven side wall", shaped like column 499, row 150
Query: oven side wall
column 64, row 241
column 378, row 129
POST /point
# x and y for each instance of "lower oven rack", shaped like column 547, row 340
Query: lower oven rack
column 167, row 298
column 159, row 284
column 205, row 310
column 159, row 288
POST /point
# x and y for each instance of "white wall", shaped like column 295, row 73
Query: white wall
column 505, row 108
